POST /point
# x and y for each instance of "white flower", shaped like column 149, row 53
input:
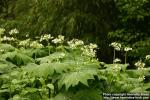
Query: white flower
column 12, row 39
column 79, row 42
column 2, row 30
column 88, row 50
column 59, row 39
column 127, row 49
column 13, row 31
column 56, row 40
column 92, row 46
column 142, row 78
column 117, row 60
column 75, row 43
column 117, row 46
column 5, row 38
column 35, row 44
column 147, row 57
column 46, row 37
column 116, row 68
column 140, row 64
column 24, row 42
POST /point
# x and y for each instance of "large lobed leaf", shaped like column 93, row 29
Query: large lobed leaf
column 46, row 69
column 17, row 58
column 7, row 47
column 51, row 57
column 73, row 78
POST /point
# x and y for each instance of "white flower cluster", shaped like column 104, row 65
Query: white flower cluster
column 116, row 68
column 147, row 57
column 75, row 43
column 5, row 38
column 117, row 46
column 89, row 50
column 13, row 31
column 35, row 44
column 117, row 60
column 93, row 46
column 141, row 78
column 140, row 65
column 2, row 30
column 46, row 37
column 59, row 39
column 127, row 49
column 25, row 43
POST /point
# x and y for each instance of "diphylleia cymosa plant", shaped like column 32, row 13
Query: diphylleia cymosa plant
column 46, row 37
column 116, row 68
column 8, row 39
column 13, row 31
column 140, row 65
column 88, row 50
column 36, row 45
column 74, row 43
column 117, row 47
column 126, row 49
column 147, row 57
column 117, row 60
column 58, row 40
column 24, row 43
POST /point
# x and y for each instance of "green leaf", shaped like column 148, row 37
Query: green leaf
column 139, row 90
column 61, row 96
column 50, row 86
column 42, row 70
column 7, row 47
column 46, row 69
column 51, row 57
column 88, row 94
column 39, row 52
column 73, row 78
column 17, row 58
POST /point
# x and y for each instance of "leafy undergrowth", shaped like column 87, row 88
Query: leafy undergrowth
column 60, row 71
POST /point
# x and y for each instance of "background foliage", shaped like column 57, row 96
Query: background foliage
column 127, row 21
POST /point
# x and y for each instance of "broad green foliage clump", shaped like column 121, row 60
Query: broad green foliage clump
column 55, row 69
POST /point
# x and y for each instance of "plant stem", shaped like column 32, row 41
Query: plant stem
column 48, row 49
column 114, row 56
column 35, row 56
column 126, row 57
column 10, row 83
column 0, row 38
column 143, row 80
